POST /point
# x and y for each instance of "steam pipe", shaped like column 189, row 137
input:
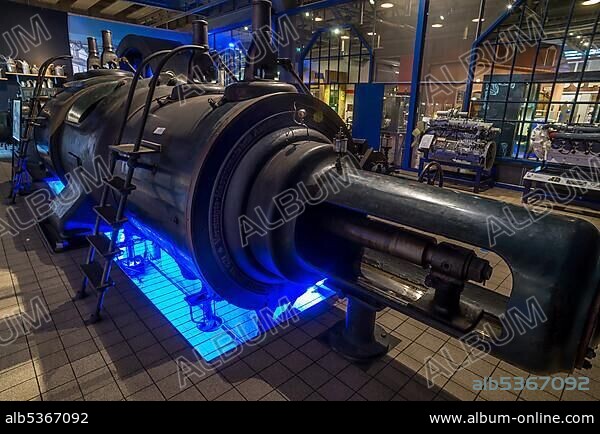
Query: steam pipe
column 93, row 61
column 200, row 33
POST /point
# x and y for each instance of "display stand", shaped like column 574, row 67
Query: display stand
column 482, row 179
column 563, row 184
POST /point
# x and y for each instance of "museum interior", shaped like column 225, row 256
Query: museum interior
column 300, row 200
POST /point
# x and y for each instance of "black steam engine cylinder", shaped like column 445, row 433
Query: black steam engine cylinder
column 254, row 193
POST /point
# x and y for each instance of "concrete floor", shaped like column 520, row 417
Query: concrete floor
column 132, row 354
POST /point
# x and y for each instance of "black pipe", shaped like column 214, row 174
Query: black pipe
column 200, row 33
column 109, row 56
column 261, row 15
column 93, row 61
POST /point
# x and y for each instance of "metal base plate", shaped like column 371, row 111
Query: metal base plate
column 360, row 353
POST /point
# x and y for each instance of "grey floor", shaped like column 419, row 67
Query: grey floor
column 132, row 354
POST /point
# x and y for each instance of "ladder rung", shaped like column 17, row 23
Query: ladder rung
column 128, row 149
column 109, row 215
column 101, row 243
column 93, row 272
column 118, row 184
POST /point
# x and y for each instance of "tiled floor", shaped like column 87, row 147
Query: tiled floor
column 132, row 354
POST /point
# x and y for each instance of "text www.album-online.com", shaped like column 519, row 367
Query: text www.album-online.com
column 534, row 418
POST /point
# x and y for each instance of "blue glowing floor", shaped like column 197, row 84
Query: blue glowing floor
column 161, row 281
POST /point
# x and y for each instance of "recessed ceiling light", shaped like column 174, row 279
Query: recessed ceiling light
column 590, row 2
column 387, row 5
column 318, row 19
column 437, row 25
column 307, row 14
column 246, row 28
column 336, row 31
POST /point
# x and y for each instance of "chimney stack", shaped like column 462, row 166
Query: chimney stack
column 109, row 57
column 93, row 61
column 200, row 33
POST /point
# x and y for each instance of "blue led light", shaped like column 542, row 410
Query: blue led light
column 159, row 277
column 55, row 184
column 161, row 281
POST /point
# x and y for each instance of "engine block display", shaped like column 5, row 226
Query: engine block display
column 574, row 145
column 453, row 138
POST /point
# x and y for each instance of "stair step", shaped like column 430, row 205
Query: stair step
column 109, row 215
column 118, row 184
column 101, row 243
column 128, row 149
column 93, row 272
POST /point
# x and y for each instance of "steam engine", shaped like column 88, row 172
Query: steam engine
column 254, row 190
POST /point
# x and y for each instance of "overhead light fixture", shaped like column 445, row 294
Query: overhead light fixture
column 372, row 2
column 586, row 44
column 509, row 6
column 437, row 25
column 307, row 14
column 476, row 20
column 246, row 28
column 387, row 5
column 318, row 19
column 442, row 17
column 372, row 34
column 590, row 2
column 336, row 31
column 578, row 36
column 345, row 37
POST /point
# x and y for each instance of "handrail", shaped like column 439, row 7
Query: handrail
column 136, row 77
column 152, row 88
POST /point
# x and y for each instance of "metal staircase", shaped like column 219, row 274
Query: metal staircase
column 95, row 274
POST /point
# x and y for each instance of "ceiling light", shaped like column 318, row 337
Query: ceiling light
column 307, row 14
column 371, row 34
column 318, row 19
column 578, row 36
column 387, row 5
column 590, row 2
column 586, row 44
column 336, row 31
column 345, row 37
column 442, row 17
column 437, row 25
column 475, row 20
column 372, row 2
column 246, row 28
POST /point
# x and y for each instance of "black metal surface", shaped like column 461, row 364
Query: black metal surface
column 220, row 156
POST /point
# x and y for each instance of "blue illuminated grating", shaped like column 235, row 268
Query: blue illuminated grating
column 161, row 281
column 55, row 184
column 158, row 276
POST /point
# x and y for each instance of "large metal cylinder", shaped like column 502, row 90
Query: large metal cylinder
column 234, row 153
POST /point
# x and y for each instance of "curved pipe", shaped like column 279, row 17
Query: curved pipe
column 136, row 78
column 152, row 87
